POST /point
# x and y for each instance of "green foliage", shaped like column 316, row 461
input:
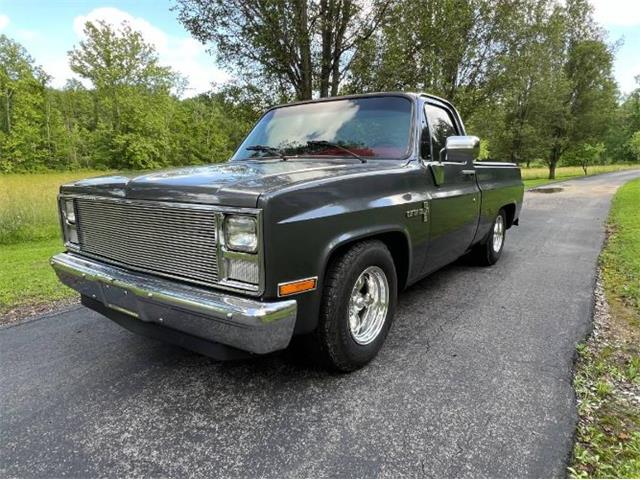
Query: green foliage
column 22, row 108
column 533, row 78
column 290, row 48
column 113, row 58
column 633, row 145
column 622, row 256
column 445, row 47
column 129, row 118
column 585, row 155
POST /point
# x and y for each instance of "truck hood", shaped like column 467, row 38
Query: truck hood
column 237, row 184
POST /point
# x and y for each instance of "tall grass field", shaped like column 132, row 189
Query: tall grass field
column 539, row 175
column 29, row 236
column 565, row 172
column 28, row 210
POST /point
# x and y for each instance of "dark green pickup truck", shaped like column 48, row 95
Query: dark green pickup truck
column 327, row 210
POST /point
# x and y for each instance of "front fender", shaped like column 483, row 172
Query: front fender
column 375, row 231
column 305, row 227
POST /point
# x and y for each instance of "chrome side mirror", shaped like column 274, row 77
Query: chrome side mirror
column 462, row 148
column 459, row 149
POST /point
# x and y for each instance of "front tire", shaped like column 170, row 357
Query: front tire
column 358, row 304
column 489, row 250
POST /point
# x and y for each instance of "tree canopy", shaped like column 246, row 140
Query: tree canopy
column 128, row 117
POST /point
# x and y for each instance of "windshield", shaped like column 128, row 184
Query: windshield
column 374, row 127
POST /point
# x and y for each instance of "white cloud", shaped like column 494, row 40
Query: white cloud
column 625, row 74
column 4, row 21
column 115, row 17
column 622, row 13
column 57, row 66
column 183, row 54
column 27, row 35
column 189, row 57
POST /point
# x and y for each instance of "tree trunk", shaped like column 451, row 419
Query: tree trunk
column 342, row 17
column 116, row 112
column 554, row 157
column 47, row 118
column 96, row 109
column 326, row 15
column 305, row 90
column 8, row 112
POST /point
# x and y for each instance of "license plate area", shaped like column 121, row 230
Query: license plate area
column 120, row 299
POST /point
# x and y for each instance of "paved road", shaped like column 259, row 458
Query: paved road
column 474, row 380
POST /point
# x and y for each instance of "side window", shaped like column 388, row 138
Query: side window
column 440, row 127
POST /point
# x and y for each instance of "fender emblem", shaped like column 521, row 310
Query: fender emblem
column 416, row 212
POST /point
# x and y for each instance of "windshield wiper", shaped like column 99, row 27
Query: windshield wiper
column 325, row 143
column 267, row 149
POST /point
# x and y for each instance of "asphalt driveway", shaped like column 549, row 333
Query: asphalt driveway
column 474, row 380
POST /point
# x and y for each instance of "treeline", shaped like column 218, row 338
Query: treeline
column 532, row 78
column 132, row 117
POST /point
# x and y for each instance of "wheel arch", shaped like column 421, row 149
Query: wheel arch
column 396, row 239
column 510, row 212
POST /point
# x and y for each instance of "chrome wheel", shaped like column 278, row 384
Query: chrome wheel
column 498, row 233
column 368, row 305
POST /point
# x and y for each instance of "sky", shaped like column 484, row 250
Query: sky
column 48, row 29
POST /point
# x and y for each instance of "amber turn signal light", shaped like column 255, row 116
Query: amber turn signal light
column 298, row 286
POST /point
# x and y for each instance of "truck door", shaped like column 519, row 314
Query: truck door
column 455, row 204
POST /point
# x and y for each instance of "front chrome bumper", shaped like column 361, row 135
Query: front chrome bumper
column 246, row 324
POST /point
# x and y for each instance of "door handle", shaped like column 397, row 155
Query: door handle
column 468, row 172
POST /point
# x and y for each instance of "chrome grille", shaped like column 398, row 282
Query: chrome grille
column 168, row 239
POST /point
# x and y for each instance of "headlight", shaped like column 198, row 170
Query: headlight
column 241, row 233
column 69, row 212
column 69, row 228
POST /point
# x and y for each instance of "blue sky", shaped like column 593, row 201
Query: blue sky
column 49, row 28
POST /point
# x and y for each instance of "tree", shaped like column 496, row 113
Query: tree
column 633, row 145
column 78, row 127
column 132, row 104
column 22, row 108
column 586, row 89
column 585, row 155
column 117, row 59
column 524, row 97
column 625, row 124
column 298, row 46
column 445, row 47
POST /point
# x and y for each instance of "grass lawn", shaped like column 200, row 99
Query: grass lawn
column 607, row 378
column 536, row 182
column 27, row 278
column 534, row 177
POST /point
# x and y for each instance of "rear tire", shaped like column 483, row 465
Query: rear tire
column 489, row 250
column 358, row 304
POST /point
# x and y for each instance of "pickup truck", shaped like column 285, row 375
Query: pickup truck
column 326, row 211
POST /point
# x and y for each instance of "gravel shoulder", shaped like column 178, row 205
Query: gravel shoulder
column 24, row 313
